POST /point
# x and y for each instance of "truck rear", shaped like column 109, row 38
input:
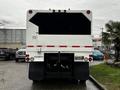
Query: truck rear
column 59, row 44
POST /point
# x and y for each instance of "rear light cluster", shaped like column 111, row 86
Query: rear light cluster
column 90, row 58
column 27, row 57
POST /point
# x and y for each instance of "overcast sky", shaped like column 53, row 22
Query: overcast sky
column 13, row 12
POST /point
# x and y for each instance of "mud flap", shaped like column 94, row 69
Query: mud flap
column 36, row 70
column 81, row 70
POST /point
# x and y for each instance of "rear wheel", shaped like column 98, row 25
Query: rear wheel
column 16, row 59
column 7, row 57
column 35, row 81
column 75, row 81
column 83, row 81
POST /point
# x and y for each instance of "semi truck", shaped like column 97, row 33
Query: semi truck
column 59, row 44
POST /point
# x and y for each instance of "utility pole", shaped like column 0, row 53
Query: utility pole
column 102, row 37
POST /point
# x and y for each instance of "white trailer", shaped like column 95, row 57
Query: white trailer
column 59, row 44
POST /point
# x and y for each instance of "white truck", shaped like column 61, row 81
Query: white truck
column 59, row 44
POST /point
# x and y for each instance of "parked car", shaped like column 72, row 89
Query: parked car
column 20, row 55
column 12, row 53
column 97, row 55
column 4, row 54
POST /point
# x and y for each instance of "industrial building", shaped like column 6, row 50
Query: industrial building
column 12, row 38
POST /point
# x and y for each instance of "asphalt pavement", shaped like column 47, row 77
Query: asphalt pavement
column 14, row 76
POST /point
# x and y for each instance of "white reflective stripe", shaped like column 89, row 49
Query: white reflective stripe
column 38, row 59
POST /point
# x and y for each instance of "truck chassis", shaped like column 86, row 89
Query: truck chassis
column 59, row 65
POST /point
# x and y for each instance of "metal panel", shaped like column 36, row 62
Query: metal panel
column 12, row 36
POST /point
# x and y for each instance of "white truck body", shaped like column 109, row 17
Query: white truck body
column 38, row 44
column 59, row 32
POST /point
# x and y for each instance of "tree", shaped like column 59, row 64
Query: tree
column 112, row 36
column 105, row 38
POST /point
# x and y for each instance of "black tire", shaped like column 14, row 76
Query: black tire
column 35, row 81
column 83, row 81
column 74, row 81
column 12, row 57
column 16, row 60
column 6, row 58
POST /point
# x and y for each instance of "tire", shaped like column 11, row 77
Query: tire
column 6, row 58
column 35, row 81
column 83, row 81
column 16, row 60
column 74, row 81
column 12, row 57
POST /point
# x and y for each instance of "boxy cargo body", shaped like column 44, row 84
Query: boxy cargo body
column 59, row 44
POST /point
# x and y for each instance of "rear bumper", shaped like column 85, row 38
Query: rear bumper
column 20, row 59
column 2, row 56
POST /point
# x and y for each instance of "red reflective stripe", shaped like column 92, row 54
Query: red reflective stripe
column 30, row 46
column 75, row 46
column 39, row 45
column 88, row 46
column 62, row 46
column 50, row 46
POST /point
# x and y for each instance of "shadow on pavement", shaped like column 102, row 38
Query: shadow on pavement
column 58, row 85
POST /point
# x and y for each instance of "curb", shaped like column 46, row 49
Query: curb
column 100, row 86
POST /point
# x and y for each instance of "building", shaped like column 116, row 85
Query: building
column 12, row 38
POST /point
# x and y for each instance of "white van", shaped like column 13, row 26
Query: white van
column 20, row 55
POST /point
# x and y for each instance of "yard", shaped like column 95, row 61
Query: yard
column 107, row 75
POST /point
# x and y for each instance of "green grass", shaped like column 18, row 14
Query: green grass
column 106, row 75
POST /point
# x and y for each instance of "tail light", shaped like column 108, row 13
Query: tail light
column 90, row 55
column 90, row 58
column 27, row 57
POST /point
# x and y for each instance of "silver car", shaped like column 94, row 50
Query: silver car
column 20, row 55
